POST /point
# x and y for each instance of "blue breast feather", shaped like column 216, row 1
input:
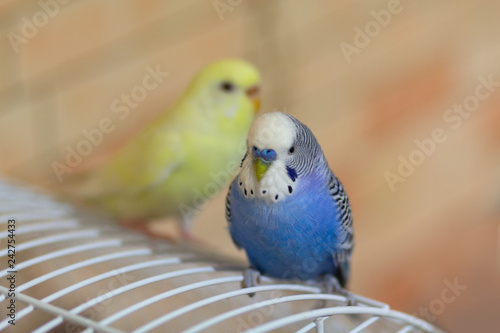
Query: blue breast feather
column 291, row 239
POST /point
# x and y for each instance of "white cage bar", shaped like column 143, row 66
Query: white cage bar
column 78, row 271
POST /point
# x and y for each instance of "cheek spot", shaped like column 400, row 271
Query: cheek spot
column 290, row 189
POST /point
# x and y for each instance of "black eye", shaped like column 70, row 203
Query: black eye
column 291, row 150
column 227, row 86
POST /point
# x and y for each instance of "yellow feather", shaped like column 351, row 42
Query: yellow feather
column 186, row 155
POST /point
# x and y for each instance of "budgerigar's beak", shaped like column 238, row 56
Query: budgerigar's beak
column 253, row 94
column 260, row 167
column 262, row 159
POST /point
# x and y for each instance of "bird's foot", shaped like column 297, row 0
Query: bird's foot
column 329, row 284
column 188, row 237
column 143, row 227
column 251, row 278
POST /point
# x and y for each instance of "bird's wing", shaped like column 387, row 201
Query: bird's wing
column 345, row 231
column 228, row 205
column 142, row 165
column 228, row 214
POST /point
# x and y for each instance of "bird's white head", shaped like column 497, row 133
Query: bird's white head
column 275, row 131
column 280, row 148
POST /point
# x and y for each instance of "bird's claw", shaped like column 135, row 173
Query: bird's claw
column 188, row 237
column 251, row 278
column 331, row 285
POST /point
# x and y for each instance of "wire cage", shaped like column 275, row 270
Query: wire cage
column 77, row 271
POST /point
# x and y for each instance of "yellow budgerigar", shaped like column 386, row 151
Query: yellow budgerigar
column 186, row 155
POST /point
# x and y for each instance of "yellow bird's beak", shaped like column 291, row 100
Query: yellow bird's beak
column 260, row 167
column 253, row 94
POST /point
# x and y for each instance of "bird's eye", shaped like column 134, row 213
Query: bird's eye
column 291, row 150
column 227, row 86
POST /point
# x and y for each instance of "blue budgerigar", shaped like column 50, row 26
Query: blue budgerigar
column 287, row 209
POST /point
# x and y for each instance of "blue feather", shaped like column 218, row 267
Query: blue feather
column 294, row 238
column 291, row 173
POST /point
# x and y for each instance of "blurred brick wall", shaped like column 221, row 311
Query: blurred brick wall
column 367, row 109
